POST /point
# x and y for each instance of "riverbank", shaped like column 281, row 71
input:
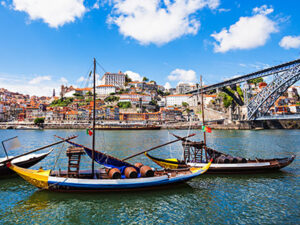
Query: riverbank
column 217, row 125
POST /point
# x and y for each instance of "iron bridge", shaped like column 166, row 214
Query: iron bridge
column 285, row 75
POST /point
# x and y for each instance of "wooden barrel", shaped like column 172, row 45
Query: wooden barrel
column 234, row 160
column 138, row 165
column 231, row 159
column 241, row 160
column 146, row 171
column 130, row 172
column 222, row 159
column 114, row 173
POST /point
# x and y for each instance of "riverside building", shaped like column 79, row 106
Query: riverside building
column 173, row 100
column 105, row 89
column 115, row 79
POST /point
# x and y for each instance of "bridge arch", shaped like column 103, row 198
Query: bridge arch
column 263, row 101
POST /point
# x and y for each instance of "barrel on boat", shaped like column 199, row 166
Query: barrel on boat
column 146, row 171
column 241, row 160
column 130, row 172
column 231, row 159
column 138, row 165
column 114, row 173
column 223, row 159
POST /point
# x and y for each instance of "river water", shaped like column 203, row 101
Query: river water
column 272, row 198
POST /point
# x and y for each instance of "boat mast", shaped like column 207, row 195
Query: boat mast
column 94, row 116
column 203, row 121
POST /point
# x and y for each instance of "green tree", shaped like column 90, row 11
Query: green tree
column 145, row 79
column 111, row 98
column 227, row 100
column 124, row 105
column 77, row 94
column 39, row 121
column 256, row 80
column 153, row 102
column 62, row 102
column 127, row 79
column 185, row 104
column 89, row 93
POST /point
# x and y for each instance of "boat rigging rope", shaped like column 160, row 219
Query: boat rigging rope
column 185, row 141
column 58, row 155
column 170, row 147
column 101, row 67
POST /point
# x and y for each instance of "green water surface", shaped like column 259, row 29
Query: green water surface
column 272, row 198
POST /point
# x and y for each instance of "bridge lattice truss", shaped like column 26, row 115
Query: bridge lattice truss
column 263, row 101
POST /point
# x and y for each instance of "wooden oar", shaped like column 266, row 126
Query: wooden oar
column 183, row 138
column 178, row 139
column 38, row 149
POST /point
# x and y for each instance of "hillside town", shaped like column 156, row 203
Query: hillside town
column 122, row 99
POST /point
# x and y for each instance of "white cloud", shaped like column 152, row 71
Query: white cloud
column 224, row 10
column 263, row 10
column 63, row 80
column 21, row 84
column 157, row 21
column 288, row 42
column 167, row 86
column 257, row 65
column 247, row 33
column 3, row 3
column 182, row 75
column 53, row 12
column 96, row 5
column 39, row 79
column 134, row 76
column 80, row 79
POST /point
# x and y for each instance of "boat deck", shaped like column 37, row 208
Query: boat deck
column 103, row 173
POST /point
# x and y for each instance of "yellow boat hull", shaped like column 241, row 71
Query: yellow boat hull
column 38, row 178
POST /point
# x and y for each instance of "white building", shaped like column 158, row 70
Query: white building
column 208, row 98
column 115, row 79
column 176, row 99
column 182, row 88
column 83, row 91
column 105, row 89
column 69, row 94
column 135, row 98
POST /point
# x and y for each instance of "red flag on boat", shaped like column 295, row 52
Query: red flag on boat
column 206, row 129
column 89, row 132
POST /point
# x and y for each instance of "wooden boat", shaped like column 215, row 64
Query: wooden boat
column 221, row 163
column 116, row 174
column 168, row 163
column 225, row 163
column 55, row 181
column 25, row 162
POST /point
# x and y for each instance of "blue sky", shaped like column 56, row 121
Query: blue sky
column 45, row 43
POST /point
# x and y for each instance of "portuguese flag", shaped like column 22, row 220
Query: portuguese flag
column 89, row 132
column 206, row 129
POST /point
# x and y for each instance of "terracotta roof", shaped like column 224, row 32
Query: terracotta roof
column 72, row 112
column 106, row 85
column 83, row 89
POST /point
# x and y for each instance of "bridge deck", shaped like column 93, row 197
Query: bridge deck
column 262, row 73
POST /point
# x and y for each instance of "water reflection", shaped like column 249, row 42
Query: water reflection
column 271, row 198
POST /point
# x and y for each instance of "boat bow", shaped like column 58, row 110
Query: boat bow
column 38, row 178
